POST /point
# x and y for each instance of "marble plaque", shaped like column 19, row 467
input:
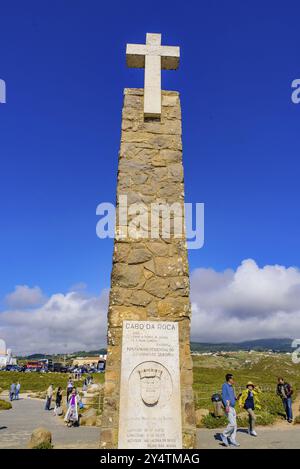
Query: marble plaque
column 150, row 403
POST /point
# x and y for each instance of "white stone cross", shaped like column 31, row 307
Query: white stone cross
column 153, row 57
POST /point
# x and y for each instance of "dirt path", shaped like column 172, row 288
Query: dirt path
column 296, row 406
column 282, row 424
column 17, row 424
column 281, row 435
column 268, row 438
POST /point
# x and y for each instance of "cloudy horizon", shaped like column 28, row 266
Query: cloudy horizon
column 248, row 303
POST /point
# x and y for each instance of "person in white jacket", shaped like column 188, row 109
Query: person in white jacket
column 71, row 417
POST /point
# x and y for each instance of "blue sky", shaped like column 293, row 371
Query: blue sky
column 64, row 66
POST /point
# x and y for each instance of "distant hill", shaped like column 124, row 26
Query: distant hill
column 37, row 356
column 260, row 345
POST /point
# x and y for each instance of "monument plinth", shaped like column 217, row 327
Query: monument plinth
column 150, row 277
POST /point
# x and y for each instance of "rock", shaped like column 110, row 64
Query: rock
column 121, row 252
column 140, row 298
column 173, row 307
column 157, row 287
column 133, row 101
column 94, row 388
column 89, row 418
column 40, row 436
column 127, row 275
column 98, row 421
column 158, row 248
column 176, row 172
column 170, row 156
column 120, row 313
column 189, row 440
column 169, row 100
column 200, row 413
column 138, row 255
column 170, row 267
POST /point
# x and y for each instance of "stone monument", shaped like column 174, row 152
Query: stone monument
column 148, row 396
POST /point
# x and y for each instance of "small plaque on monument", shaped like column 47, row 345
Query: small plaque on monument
column 150, row 403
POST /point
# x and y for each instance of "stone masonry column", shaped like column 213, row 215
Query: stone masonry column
column 150, row 276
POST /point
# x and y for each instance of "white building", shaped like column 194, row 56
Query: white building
column 5, row 355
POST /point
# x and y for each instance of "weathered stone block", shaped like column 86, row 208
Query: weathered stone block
column 127, row 275
column 158, row 287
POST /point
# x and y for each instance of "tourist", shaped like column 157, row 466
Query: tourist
column 229, row 400
column 49, row 397
column 285, row 392
column 69, row 387
column 12, row 391
column 248, row 400
column 17, row 392
column 58, row 399
column 71, row 417
column 84, row 386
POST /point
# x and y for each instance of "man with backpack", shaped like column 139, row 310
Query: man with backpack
column 285, row 392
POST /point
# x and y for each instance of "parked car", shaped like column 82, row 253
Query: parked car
column 11, row 368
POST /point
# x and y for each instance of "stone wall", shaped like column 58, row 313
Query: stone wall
column 150, row 277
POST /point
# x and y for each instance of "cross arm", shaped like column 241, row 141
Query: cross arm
column 169, row 57
column 135, row 55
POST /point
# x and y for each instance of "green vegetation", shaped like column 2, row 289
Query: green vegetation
column 5, row 405
column 209, row 372
column 39, row 382
column 46, row 445
column 260, row 345
column 261, row 368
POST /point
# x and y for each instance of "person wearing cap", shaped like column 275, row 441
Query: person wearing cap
column 249, row 400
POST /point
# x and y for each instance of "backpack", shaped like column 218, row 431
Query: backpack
column 216, row 397
column 288, row 390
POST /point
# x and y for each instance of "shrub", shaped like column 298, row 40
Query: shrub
column 265, row 418
column 5, row 405
column 210, row 421
column 271, row 403
column 46, row 445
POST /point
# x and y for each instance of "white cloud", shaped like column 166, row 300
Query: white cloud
column 249, row 303
column 64, row 323
column 24, row 297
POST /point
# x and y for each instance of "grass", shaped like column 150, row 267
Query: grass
column 39, row 382
column 5, row 405
column 209, row 372
column 261, row 368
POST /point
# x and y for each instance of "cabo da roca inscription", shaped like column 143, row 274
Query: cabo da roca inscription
column 150, row 408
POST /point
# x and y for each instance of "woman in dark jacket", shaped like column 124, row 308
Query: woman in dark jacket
column 58, row 399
